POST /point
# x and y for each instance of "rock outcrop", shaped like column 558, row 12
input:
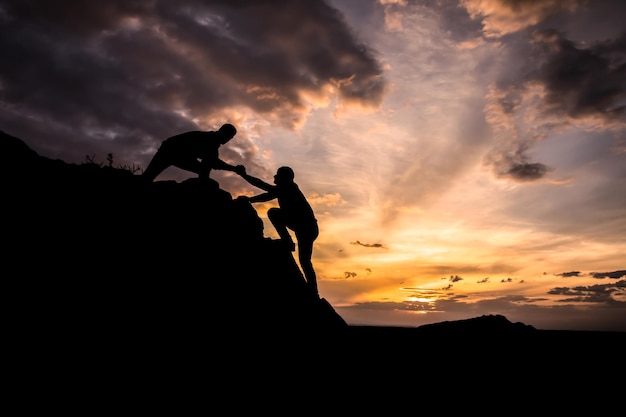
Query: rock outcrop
column 96, row 249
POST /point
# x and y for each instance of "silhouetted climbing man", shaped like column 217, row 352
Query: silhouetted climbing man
column 294, row 212
column 195, row 151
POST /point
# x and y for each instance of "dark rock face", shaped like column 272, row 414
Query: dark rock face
column 117, row 285
column 98, row 249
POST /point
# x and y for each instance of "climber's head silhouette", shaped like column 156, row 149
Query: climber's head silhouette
column 227, row 132
column 284, row 175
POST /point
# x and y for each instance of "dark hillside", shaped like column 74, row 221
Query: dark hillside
column 96, row 248
column 94, row 253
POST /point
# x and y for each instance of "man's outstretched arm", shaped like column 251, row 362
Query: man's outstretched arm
column 257, row 182
column 219, row 164
column 261, row 198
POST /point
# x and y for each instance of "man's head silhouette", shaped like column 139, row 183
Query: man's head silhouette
column 227, row 132
column 283, row 175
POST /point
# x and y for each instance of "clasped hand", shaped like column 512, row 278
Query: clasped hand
column 240, row 170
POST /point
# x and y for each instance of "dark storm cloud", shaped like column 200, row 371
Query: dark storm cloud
column 613, row 274
column 569, row 274
column 510, row 160
column 591, row 293
column 455, row 278
column 527, row 171
column 581, row 80
column 130, row 73
column 368, row 245
column 581, row 84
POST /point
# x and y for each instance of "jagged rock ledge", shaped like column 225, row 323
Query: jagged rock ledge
column 97, row 248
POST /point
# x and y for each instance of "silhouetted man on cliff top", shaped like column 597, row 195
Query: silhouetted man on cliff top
column 195, row 151
column 294, row 212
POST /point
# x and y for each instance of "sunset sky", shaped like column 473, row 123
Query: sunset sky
column 463, row 157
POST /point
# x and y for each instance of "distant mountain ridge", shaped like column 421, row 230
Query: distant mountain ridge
column 486, row 323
